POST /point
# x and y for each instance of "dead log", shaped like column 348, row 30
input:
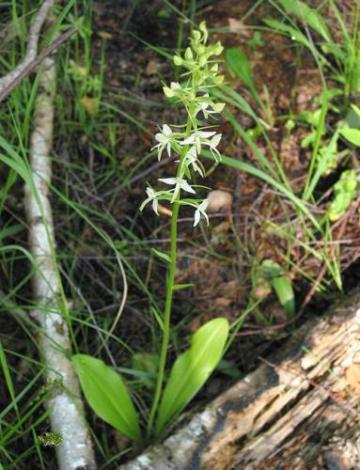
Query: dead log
column 298, row 410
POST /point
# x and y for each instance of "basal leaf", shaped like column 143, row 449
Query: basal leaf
column 107, row 394
column 192, row 368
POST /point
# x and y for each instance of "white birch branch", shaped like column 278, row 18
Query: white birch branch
column 65, row 405
column 32, row 45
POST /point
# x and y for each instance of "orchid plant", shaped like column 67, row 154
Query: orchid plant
column 104, row 388
column 186, row 141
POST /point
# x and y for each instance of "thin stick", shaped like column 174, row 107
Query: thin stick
column 31, row 66
column 32, row 46
column 65, row 405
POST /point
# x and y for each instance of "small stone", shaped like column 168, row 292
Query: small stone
column 219, row 201
column 152, row 68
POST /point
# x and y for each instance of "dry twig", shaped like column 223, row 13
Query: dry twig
column 32, row 46
column 31, row 66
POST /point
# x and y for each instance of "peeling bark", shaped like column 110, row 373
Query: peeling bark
column 65, row 405
column 271, row 417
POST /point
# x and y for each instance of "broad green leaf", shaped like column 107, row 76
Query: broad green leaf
column 192, row 369
column 239, row 65
column 294, row 34
column 308, row 15
column 352, row 135
column 107, row 395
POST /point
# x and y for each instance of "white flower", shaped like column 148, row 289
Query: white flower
column 172, row 91
column 198, row 138
column 212, row 144
column 152, row 197
column 200, row 211
column 165, row 139
column 209, row 139
column 179, row 184
column 192, row 159
column 206, row 106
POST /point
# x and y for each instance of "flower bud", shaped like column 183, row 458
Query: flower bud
column 218, row 80
column 178, row 60
column 189, row 54
column 168, row 92
column 204, row 30
column 202, row 61
column 196, row 35
column 218, row 107
column 218, row 48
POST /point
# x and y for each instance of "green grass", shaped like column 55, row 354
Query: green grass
column 288, row 19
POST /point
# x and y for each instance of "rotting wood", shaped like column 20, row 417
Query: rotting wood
column 65, row 405
column 273, row 415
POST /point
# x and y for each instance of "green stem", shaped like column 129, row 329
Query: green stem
column 167, row 316
column 169, row 288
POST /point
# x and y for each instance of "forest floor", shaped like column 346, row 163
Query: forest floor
column 109, row 105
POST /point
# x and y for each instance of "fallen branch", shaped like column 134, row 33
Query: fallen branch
column 297, row 410
column 31, row 66
column 65, row 405
column 32, row 45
